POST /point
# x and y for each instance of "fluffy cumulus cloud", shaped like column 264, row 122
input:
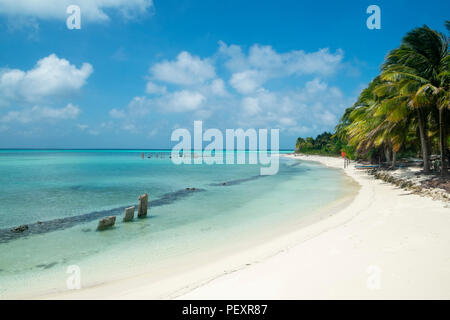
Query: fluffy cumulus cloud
column 153, row 88
column 91, row 10
column 217, row 87
column 266, row 59
column 51, row 76
column 247, row 81
column 179, row 101
column 182, row 101
column 185, row 70
column 258, row 87
column 33, row 98
column 315, row 106
column 262, row 63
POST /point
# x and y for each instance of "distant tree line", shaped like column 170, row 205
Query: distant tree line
column 404, row 111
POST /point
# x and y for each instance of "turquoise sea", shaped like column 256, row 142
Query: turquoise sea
column 61, row 195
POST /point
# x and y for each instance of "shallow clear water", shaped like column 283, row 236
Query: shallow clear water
column 50, row 185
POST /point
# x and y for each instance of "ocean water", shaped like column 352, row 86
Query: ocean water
column 61, row 195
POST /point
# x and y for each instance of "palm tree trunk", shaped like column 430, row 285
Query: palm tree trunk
column 387, row 154
column 443, row 142
column 394, row 158
column 423, row 141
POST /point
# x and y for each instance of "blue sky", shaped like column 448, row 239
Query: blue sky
column 138, row 69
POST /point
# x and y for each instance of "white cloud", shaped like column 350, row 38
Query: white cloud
column 153, row 88
column 21, row 23
column 118, row 114
column 182, row 101
column 328, row 118
column 247, row 81
column 315, row 86
column 236, row 59
column 139, row 106
column 287, row 122
column 321, row 62
column 315, row 106
column 250, row 72
column 310, row 104
column 185, row 70
column 136, row 108
column 251, row 106
column 266, row 59
column 130, row 117
column 131, row 127
column 218, row 87
column 37, row 113
column 91, row 10
column 51, row 76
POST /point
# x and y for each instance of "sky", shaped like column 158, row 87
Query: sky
column 137, row 70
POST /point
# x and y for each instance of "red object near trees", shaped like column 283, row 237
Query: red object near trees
column 343, row 154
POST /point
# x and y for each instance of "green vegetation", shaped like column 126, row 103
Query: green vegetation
column 403, row 111
column 324, row 144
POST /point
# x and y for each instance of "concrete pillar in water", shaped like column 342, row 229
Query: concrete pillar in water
column 128, row 214
column 106, row 223
column 143, row 205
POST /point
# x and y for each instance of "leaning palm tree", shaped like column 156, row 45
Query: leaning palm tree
column 365, row 126
column 421, row 67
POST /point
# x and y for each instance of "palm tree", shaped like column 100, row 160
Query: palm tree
column 421, row 68
column 365, row 126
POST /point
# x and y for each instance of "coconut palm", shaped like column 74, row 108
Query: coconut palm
column 420, row 66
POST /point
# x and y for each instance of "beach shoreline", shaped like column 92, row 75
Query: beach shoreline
column 176, row 280
column 330, row 258
column 387, row 244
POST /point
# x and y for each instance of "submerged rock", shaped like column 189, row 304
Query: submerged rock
column 20, row 228
column 106, row 223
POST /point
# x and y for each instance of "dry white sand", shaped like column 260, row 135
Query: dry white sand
column 386, row 244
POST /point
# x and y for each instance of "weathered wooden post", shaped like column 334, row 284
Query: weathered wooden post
column 106, row 223
column 128, row 214
column 143, row 205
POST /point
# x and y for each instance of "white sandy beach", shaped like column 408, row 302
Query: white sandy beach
column 385, row 231
column 385, row 244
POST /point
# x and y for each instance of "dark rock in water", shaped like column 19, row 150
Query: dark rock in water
column 143, row 205
column 7, row 234
column 20, row 228
column 128, row 214
column 47, row 266
column 39, row 222
column 237, row 181
column 106, row 223
column 191, row 189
